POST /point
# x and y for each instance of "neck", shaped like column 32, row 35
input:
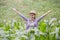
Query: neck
column 32, row 19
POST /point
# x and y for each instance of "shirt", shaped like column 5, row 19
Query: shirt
column 35, row 22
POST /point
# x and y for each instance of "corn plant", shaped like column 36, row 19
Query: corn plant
column 15, row 30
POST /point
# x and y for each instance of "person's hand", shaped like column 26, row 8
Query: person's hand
column 14, row 9
column 49, row 11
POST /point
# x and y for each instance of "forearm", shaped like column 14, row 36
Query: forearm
column 20, row 14
column 41, row 17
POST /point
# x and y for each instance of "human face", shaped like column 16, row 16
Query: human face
column 32, row 16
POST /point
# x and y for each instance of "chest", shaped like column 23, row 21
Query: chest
column 31, row 23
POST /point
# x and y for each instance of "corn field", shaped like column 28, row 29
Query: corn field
column 15, row 30
column 12, row 26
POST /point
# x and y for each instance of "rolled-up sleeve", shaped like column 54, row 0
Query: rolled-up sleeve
column 23, row 17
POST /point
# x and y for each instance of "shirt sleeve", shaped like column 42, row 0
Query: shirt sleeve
column 21, row 15
column 41, row 17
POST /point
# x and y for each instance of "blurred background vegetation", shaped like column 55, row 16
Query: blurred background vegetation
column 25, row 6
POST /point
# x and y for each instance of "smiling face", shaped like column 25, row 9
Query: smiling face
column 32, row 16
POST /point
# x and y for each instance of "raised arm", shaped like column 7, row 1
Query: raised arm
column 38, row 19
column 20, row 14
